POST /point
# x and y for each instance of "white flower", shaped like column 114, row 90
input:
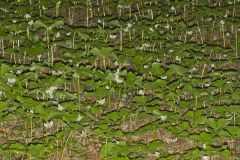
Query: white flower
column 207, row 84
column 117, row 79
column 189, row 32
column 18, row 71
column 14, row 21
column 171, row 50
column 57, row 73
column 27, row 16
column 79, row 118
column 163, row 77
column 32, row 68
column 222, row 22
column 156, row 25
column 178, row 58
column 48, row 124
column 68, row 34
column 228, row 82
column 141, row 92
column 112, row 36
column 119, row 6
column 60, row 108
column 11, row 81
column 171, row 139
column 101, row 102
column 58, row 35
column 157, row 154
column 146, row 45
column 213, row 65
column 30, row 111
column 107, row 87
column 173, row 8
column 99, row 21
column 125, row 29
column 163, row 118
column 145, row 66
column 151, row 29
column 129, row 25
column 167, row 26
column 51, row 90
column 44, row 8
column 204, row 146
column 205, row 158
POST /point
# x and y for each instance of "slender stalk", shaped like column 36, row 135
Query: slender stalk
column 121, row 39
column 236, row 43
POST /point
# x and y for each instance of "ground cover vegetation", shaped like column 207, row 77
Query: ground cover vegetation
column 119, row 80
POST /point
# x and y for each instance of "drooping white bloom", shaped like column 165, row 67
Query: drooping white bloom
column 171, row 139
column 119, row 6
column 18, row 71
column 129, row 25
column 79, row 118
column 145, row 66
column 32, row 68
column 204, row 146
column 167, row 26
column 178, row 58
column 222, row 22
column 99, row 21
column 11, row 81
column 125, row 29
column 101, row 102
column 207, row 84
column 107, row 87
column 112, row 36
column 189, row 32
column 146, row 45
column 50, row 91
column 173, row 8
column 157, row 154
column 163, row 77
column 30, row 22
column 27, row 16
column 141, row 92
column 163, row 118
column 151, row 29
column 60, row 107
column 57, row 73
column 44, row 8
column 205, row 158
column 58, row 35
column 117, row 79
column 68, row 33
column 48, row 124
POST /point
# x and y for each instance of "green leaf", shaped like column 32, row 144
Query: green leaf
column 141, row 100
column 234, row 130
column 39, row 24
column 4, row 69
column 56, row 24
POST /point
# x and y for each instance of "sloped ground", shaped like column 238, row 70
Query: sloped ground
column 106, row 79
